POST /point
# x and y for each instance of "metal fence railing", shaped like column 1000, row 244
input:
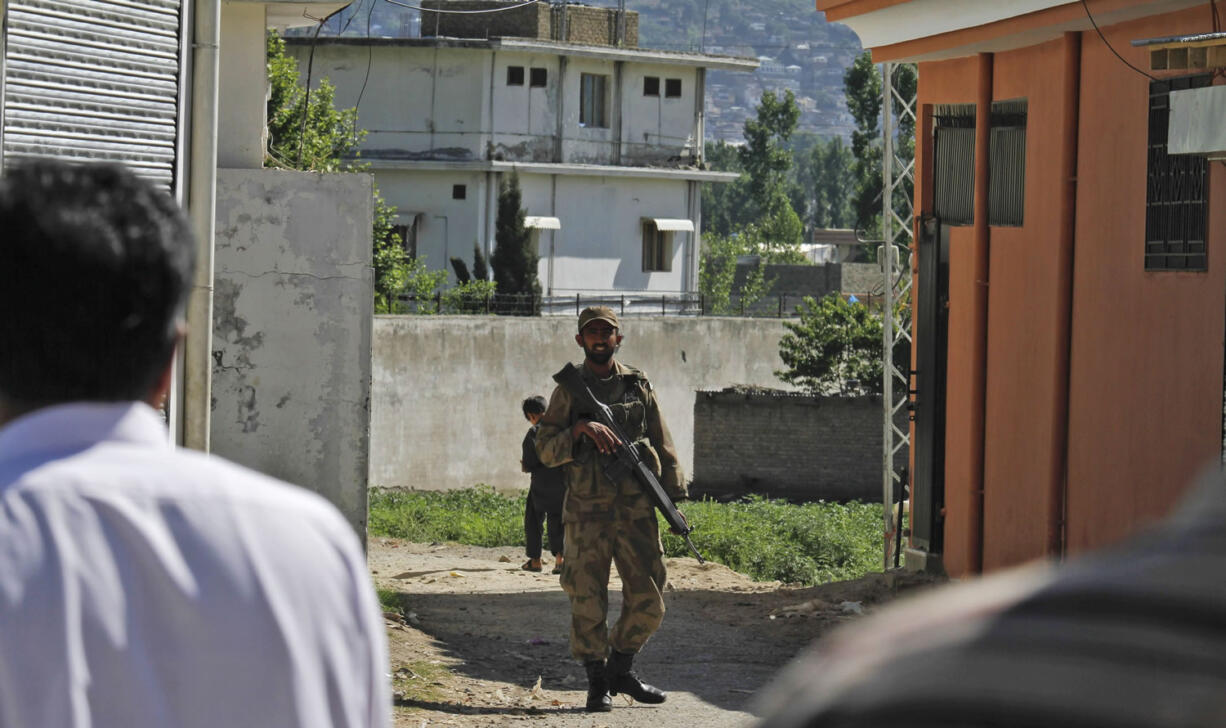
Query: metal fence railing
column 782, row 305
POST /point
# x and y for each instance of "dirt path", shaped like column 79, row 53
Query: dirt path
column 501, row 635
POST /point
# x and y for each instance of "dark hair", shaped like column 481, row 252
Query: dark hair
column 535, row 405
column 95, row 267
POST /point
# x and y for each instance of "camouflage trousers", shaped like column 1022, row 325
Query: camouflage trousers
column 589, row 547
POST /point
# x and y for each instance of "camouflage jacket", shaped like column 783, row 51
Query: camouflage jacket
column 589, row 492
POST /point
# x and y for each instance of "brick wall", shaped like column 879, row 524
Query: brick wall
column 791, row 446
column 528, row 21
column 581, row 24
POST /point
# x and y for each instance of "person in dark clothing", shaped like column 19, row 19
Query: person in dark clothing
column 544, row 495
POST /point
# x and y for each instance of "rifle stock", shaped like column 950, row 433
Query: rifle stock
column 628, row 460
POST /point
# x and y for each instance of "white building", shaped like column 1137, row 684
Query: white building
column 606, row 140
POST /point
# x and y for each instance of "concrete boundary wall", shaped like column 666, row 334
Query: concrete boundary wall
column 292, row 329
column 446, row 390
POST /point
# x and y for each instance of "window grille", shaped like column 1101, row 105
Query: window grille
column 593, row 100
column 672, row 88
column 515, row 75
column 651, row 85
column 459, row 192
column 1007, row 163
column 1176, row 189
column 954, row 164
column 539, row 77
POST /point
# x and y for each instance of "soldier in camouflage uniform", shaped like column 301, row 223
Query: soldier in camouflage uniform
column 610, row 522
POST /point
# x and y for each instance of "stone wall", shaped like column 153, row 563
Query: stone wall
column 788, row 445
column 570, row 23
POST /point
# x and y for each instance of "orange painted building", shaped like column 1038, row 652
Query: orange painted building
column 1085, row 287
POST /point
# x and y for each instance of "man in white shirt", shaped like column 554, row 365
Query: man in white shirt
column 141, row 585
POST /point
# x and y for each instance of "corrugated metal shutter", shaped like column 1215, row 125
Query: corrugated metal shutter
column 954, row 164
column 93, row 81
column 1007, row 162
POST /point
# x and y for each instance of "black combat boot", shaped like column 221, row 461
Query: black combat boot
column 623, row 680
column 598, row 700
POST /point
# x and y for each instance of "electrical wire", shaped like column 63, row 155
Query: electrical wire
column 1217, row 22
column 306, row 109
column 465, row 12
column 1109, row 46
column 370, row 57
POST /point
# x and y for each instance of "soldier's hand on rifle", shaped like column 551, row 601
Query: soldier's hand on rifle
column 606, row 441
column 683, row 520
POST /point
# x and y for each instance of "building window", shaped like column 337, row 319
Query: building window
column 593, row 102
column 672, row 88
column 1007, row 162
column 459, row 192
column 515, row 75
column 657, row 248
column 953, row 173
column 538, row 78
column 651, row 85
column 1176, row 194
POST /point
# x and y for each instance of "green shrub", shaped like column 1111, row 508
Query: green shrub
column 768, row 540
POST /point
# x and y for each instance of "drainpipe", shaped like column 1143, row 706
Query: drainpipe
column 1065, row 246
column 202, row 206
column 979, row 302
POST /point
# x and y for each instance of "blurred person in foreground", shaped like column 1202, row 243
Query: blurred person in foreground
column 1129, row 636
column 140, row 584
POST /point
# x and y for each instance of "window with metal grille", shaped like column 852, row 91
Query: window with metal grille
column 459, row 192
column 1176, row 189
column 953, row 173
column 651, row 85
column 515, row 75
column 672, row 88
column 657, row 248
column 538, row 78
column 1007, row 163
column 593, row 103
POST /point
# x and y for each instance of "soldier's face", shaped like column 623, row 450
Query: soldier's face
column 599, row 341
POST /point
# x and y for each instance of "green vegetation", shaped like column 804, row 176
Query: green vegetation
column 768, row 540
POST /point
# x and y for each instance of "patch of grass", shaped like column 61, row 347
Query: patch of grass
column 812, row 543
column 391, row 600
column 418, row 681
column 476, row 516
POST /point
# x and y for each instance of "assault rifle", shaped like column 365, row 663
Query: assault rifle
column 627, row 459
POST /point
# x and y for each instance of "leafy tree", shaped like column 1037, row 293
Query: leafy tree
column 832, row 173
column 862, row 86
column 481, row 271
column 309, row 135
column 471, row 296
column 717, row 271
column 764, row 158
column 314, row 136
column 461, row 270
column 725, row 206
column 514, row 261
column 834, row 344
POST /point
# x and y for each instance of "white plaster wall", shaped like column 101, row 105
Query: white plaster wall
column 656, row 127
column 600, row 245
column 406, row 108
column 448, row 227
column 446, row 392
column 243, row 75
column 292, row 329
column 524, row 124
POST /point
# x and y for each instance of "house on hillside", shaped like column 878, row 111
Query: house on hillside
column 607, row 139
column 1070, row 269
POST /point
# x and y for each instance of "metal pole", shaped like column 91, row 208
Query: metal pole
column 887, row 313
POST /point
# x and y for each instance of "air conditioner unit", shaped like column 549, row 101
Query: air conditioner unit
column 1196, row 122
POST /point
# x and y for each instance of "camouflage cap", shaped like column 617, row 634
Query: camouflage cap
column 598, row 313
